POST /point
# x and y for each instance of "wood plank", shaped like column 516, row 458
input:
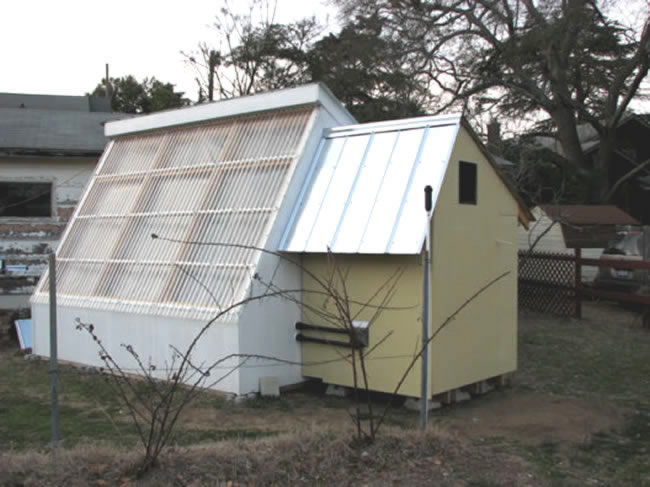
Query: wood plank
column 502, row 380
column 618, row 264
column 615, row 296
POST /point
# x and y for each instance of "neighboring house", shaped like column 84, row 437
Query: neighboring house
column 633, row 195
column 290, row 172
column 564, row 228
column 49, row 146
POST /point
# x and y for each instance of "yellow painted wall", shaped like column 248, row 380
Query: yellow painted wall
column 472, row 244
column 365, row 275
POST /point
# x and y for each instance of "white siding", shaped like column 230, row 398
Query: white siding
column 149, row 336
column 553, row 241
column 27, row 241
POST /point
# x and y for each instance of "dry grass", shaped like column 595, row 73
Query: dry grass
column 306, row 458
column 578, row 413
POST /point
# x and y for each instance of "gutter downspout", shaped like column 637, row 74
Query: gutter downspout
column 426, row 297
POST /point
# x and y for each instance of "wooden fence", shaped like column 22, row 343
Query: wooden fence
column 552, row 283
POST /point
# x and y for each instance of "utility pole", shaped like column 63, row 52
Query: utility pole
column 53, row 351
column 213, row 62
column 109, row 88
column 424, row 399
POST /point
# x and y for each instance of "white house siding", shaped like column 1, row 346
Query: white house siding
column 27, row 241
column 553, row 241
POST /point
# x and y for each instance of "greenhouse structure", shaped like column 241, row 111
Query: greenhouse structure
column 221, row 213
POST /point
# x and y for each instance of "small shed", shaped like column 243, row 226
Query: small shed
column 363, row 206
column 290, row 172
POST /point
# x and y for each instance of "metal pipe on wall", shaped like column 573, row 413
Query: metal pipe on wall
column 424, row 399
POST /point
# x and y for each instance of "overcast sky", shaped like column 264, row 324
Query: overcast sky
column 61, row 46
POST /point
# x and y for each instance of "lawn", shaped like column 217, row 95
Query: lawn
column 577, row 413
column 603, row 363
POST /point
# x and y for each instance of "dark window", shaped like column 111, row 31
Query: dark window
column 25, row 200
column 467, row 183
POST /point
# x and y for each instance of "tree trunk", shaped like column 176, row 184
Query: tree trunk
column 600, row 182
column 567, row 133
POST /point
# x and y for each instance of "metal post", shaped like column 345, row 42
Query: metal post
column 645, row 238
column 577, row 275
column 645, row 316
column 53, row 349
column 424, row 397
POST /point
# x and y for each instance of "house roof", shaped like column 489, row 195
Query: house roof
column 501, row 161
column 365, row 191
column 55, row 102
column 588, row 136
column 29, row 131
column 589, row 214
column 310, row 94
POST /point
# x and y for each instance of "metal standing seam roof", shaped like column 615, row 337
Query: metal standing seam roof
column 365, row 190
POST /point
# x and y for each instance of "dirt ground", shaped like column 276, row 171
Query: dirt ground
column 533, row 418
column 577, row 413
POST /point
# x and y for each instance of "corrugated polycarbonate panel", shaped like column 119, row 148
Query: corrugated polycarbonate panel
column 366, row 194
column 218, row 182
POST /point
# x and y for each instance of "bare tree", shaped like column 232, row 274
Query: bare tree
column 156, row 400
column 570, row 61
column 341, row 311
column 366, row 71
column 252, row 52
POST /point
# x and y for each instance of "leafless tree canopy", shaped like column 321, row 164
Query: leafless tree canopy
column 252, row 52
column 568, row 60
